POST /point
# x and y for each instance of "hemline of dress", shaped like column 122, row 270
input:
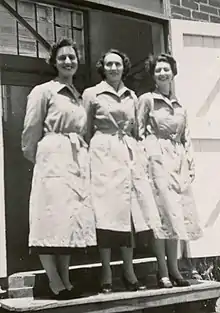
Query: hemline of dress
column 54, row 250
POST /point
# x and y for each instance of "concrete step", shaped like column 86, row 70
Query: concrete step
column 21, row 292
column 87, row 276
column 140, row 301
column 3, row 293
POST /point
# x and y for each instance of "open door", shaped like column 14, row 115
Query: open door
column 18, row 76
column 196, row 47
column 18, row 171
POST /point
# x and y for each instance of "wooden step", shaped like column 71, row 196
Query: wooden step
column 119, row 301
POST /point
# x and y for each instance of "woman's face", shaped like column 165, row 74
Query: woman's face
column 163, row 73
column 113, row 68
column 66, row 61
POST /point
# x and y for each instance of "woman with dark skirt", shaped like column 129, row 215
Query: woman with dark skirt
column 164, row 130
column 121, row 195
column 60, row 216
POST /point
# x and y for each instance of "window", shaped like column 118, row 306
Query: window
column 49, row 21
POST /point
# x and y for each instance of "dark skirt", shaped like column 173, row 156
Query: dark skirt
column 115, row 239
column 53, row 250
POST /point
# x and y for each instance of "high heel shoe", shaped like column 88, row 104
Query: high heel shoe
column 137, row 286
column 62, row 295
column 106, row 288
column 179, row 282
column 164, row 282
column 195, row 275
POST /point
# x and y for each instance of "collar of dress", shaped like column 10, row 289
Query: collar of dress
column 104, row 87
column 58, row 86
column 157, row 95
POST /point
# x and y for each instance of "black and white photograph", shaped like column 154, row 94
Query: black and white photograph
column 110, row 156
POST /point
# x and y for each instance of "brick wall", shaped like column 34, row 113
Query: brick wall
column 197, row 10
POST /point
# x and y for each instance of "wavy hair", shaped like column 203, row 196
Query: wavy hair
column 152, row 61
column 62, row 42
column 125, row 59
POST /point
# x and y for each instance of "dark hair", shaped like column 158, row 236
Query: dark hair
column 125, row 60
column 62, row 42
column 152, row 61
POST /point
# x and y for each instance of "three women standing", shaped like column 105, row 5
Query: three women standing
column 123, row 207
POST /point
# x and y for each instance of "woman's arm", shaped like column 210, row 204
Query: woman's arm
column 143, row 114
column 187, row 142
column 89, row 106
column 134, row 131
column 33, row 123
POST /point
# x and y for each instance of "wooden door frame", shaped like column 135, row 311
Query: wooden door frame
column 3, row 253
column 18, row 71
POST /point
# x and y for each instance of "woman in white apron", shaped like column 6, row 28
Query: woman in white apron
column 120, row 190
column 165, row 134
column 60, row 218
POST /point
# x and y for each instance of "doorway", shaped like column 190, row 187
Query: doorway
column 18, row 170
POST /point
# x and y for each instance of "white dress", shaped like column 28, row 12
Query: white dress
column 60, row 214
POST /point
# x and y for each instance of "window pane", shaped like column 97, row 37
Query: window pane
column 63, row 31
column 63, row 17
column 79, row 40
column 63, row 23
column 78, row 33
column 27, row 42
column 45, row 26
column 77, row 19
column 8, row 35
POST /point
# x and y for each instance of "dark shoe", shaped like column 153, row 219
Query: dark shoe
column 164, row 282
column 67, row 294
column 137, row 286
column 106, row 288
column 76, row 292
column 179, row 282
column 62, row 295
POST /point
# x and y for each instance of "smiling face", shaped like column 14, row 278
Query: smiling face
column 113, row 68
column 163, row 74
column 66, row 62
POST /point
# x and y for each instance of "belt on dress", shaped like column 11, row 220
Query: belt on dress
column 173, row 137
column 74, row 138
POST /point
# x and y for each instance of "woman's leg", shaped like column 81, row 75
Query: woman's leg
column 105, row 256
column 160, row 252
column 171, row 251
column 128, row 268
column 63, row 263
column 49, row 263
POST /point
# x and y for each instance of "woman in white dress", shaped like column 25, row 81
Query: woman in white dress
column 164, row 130
column 120, row 190
column 52, row 139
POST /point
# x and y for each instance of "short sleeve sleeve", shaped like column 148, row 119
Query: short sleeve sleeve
column 33, row 123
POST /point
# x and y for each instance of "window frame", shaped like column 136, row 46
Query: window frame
column 107, row 5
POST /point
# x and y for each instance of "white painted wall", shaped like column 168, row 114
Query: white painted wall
column 3, row 260
column 196, row 47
